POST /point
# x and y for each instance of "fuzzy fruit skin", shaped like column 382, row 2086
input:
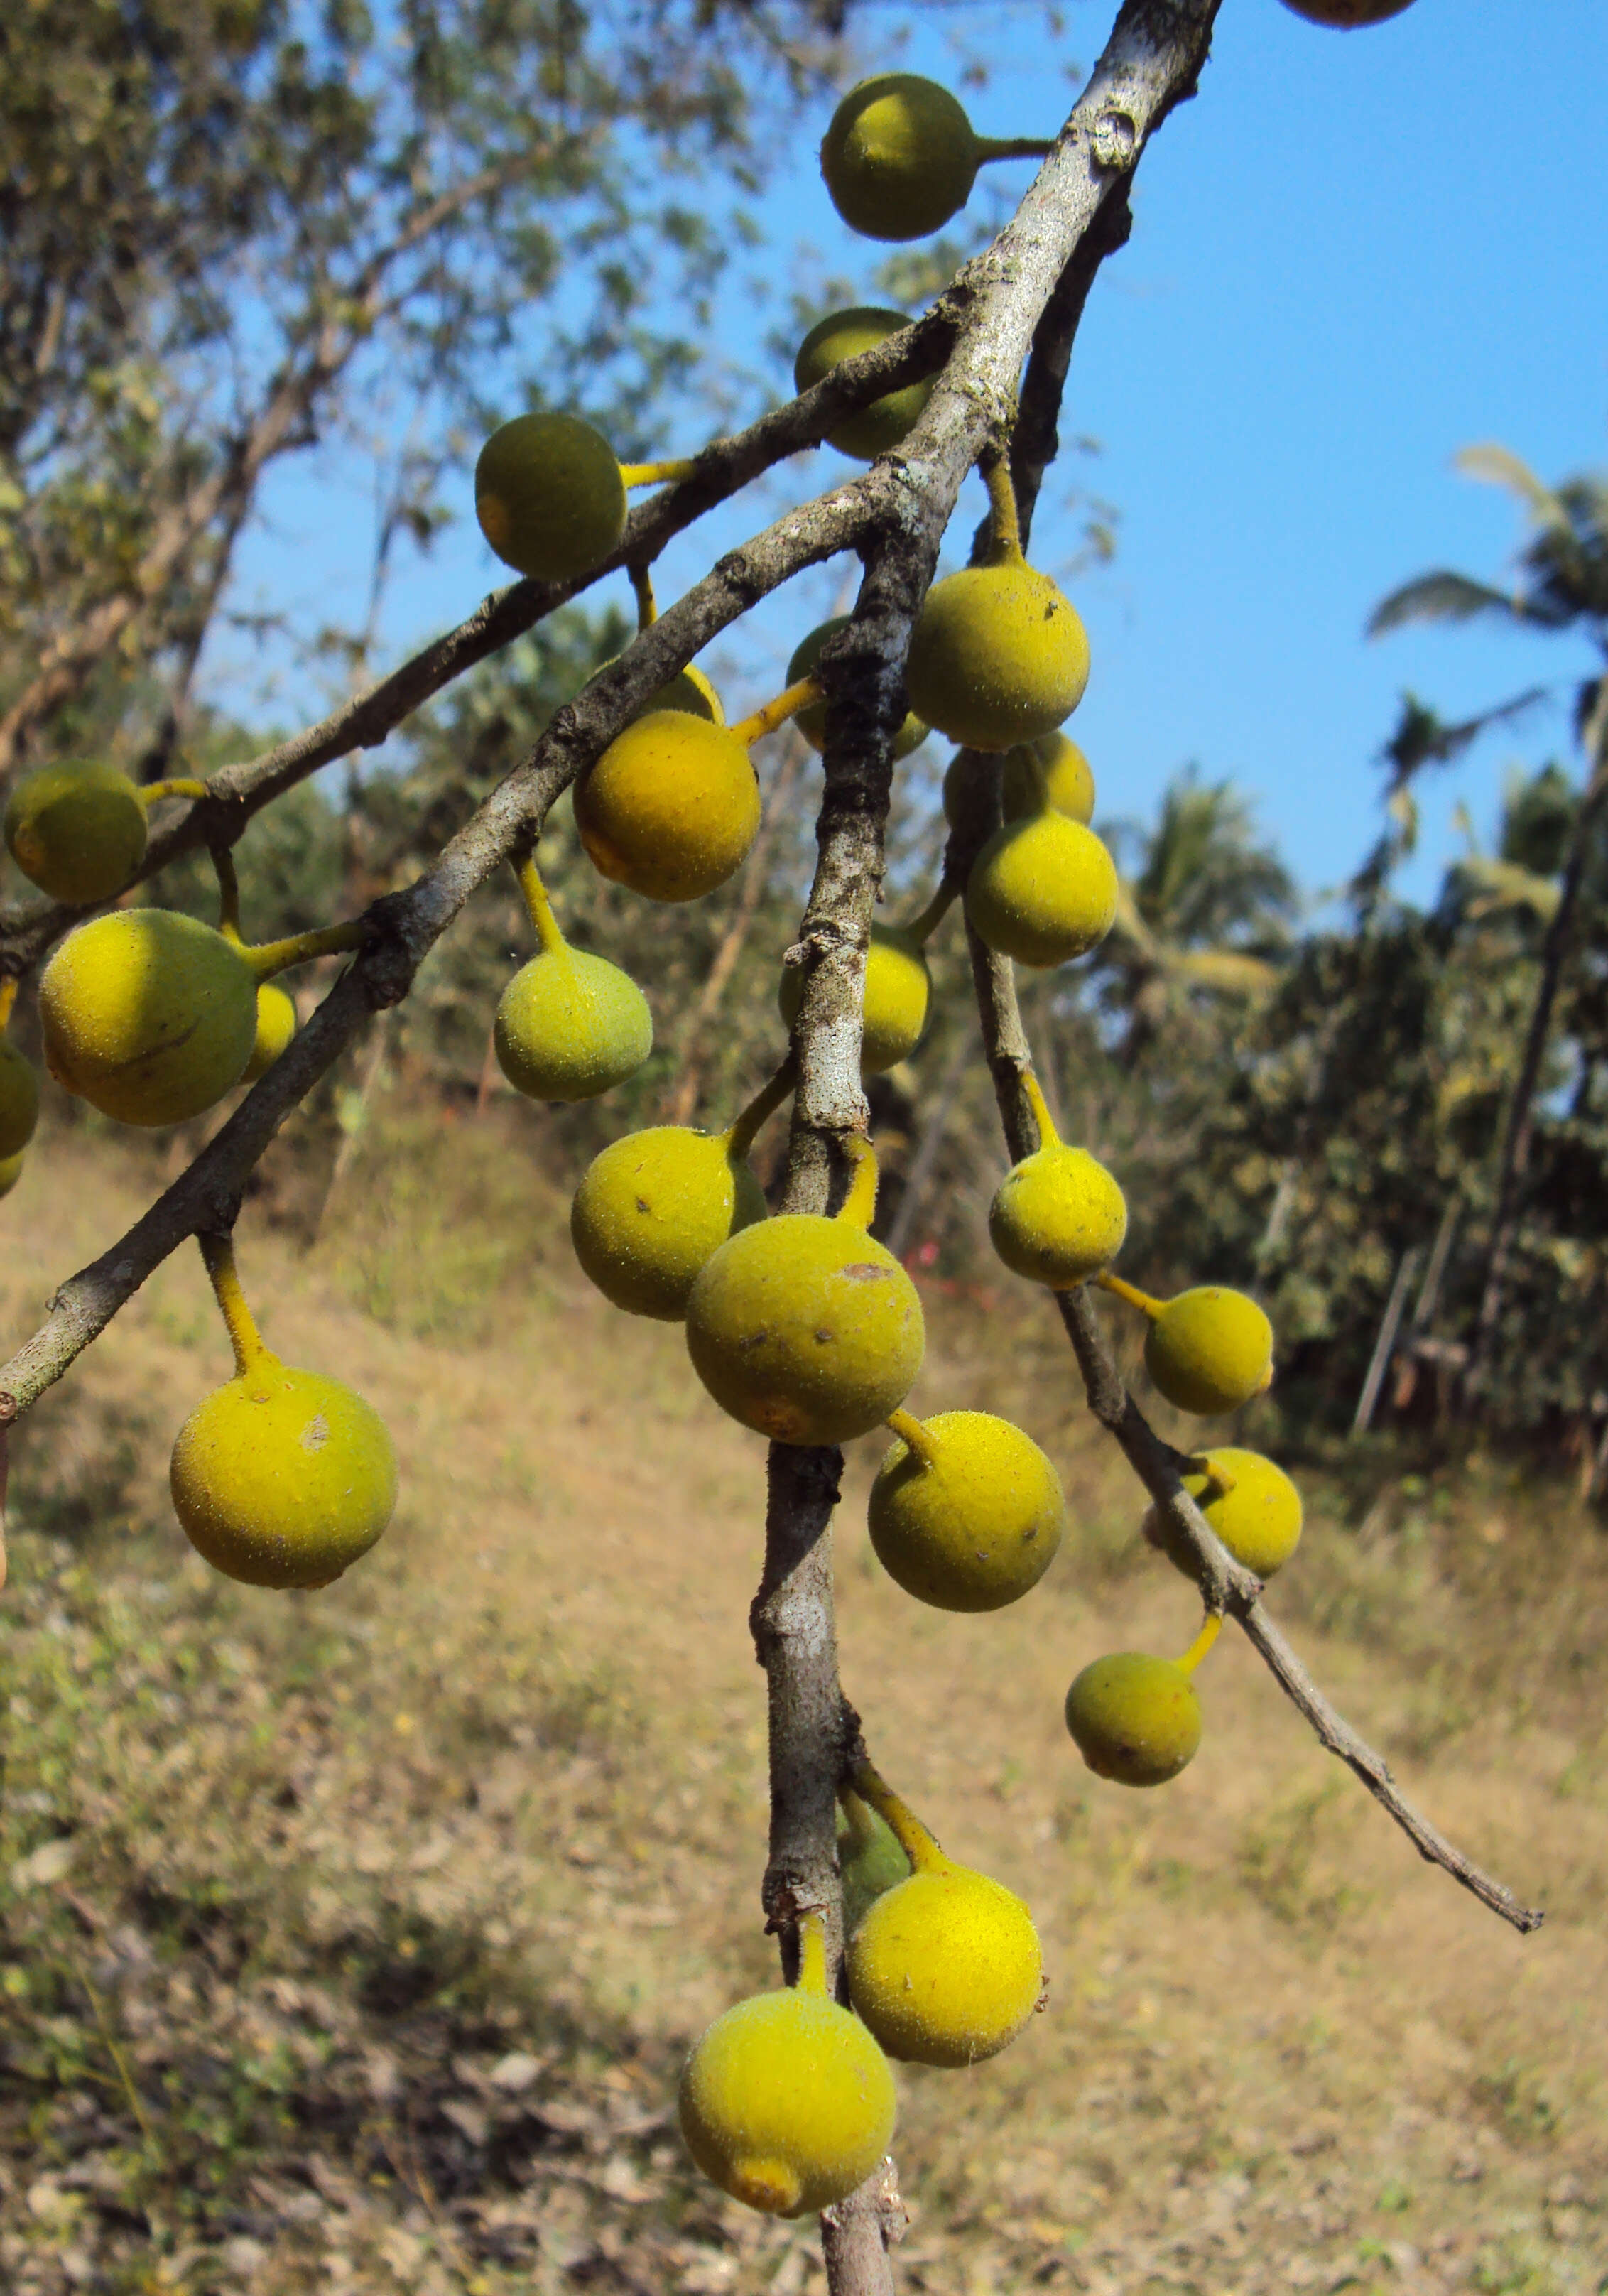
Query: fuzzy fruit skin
column 878, row 428
column 946, row 1969
column 276, row 1027
column 898, row 994
column 805, row 1329
column 1136, row 1718
column 569, row 1026
column 549, row 496
column 1210, row 1350
column 786, row 2103
column 689, row 690
column 18, row 1100
column 998, row 656
column 1068, row 780
column 653, row 1209
column 283, row 1478
column 869, row 1861
column 898, row 158
column 812, row 722
column 1058, row 1216
column 1043, row 889
column 1347, row 15
column 1259, row 1520
column 148, row 1015
column 10, row 1172
column 977, row 1526
column 671, row 807
column 77, row 831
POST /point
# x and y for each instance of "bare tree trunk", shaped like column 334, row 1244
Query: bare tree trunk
column 1368, row 1400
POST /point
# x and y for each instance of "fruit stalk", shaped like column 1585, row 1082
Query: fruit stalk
column 1013, row 147
column 1119, row 1290
column 786, row 705
column 539, row 909
column 913, row 1838
column 300, row 948
column 218, row 1253
column 9, row 986
column 1004, row 530
column 656, row 474
column 859, row 1206
column 1212, row 1627
column 926, row 922
column 153, row 792
column 917, row 1437
column 745, row 1131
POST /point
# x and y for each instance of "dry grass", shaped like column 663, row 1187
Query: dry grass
column 350, row 1941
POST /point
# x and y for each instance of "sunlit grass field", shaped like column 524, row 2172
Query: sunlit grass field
column 350, row 1940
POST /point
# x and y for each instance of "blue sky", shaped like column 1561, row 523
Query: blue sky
column 1353, row 254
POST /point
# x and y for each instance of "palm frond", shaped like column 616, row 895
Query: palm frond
column 1230, row 971
column 1442, row 597
column 1498, row 466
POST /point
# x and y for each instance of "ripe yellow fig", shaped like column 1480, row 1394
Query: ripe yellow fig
column 281, row 1478
column 148, row 1015
column 276, row 1027
column 811, row 722
column 1209, row 1350
column 786, row 2101
column 655, row 1207
column 10, row 1172
column 671, row 807
column 19, row 1086
column 1347, row 15
column 1068, row 783
column 1252, row 1505
column 878, row 428
column 1135, row 1719
column 870, row 1859
column 79, row 830
column 898, row 992
column 944, row 1968
column 805, row 1329
column 966, row 1513
column 998, row 655
column 1058, row 1216
column 1042, row 890
column 568, row 1026
column 900, row 157
column 551, row 498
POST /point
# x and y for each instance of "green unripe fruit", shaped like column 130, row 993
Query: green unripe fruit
column 148, row 1015
column 787, row 2102
column 878, row 428
column 805, row 1329
column 276, row 1027
column 549, row 496
column 654, row 1208
column 1347, row 15
column 998, row 656
column 1210, row 1350
column 283, row 1478
column 1058, row 1216
column 1042, row 890
column 900, row 157
column 18, row 1100
column 971, row 1519
column 1069, row 783
column 1136, row 1720
column 671, row 807
column 946, row 1969
column 10, row 1172
column 1259, row 1520
column 811, row 722
column 570, row 1026
column 77, row 831
column 870, row 1860
column 898, row 992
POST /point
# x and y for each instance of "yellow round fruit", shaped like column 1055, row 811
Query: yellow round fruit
column 18, row 1100
column 998, row 656
column 654, row 1208
column 549, row 496
column 10, row 1172
column 1259, row 1520
column 1058, row 1216
column 900, row 157
column 870, row 1859
column 805, row 1329
column 1042, row 890
column 569, row 1026
column 148, row 1015
column 1347, row 15
column 689, row 690
column 671, row 807
column 945, row 1968
column 787, row 2102
column 1136, row 1720
column 971, row 1519
column 898, row 992
column 1210, row 1350
column 878, row 428
column 276, row 1027
column 78, row 831
column 811, row 722
column 1069, row 783
column 283, row 1478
